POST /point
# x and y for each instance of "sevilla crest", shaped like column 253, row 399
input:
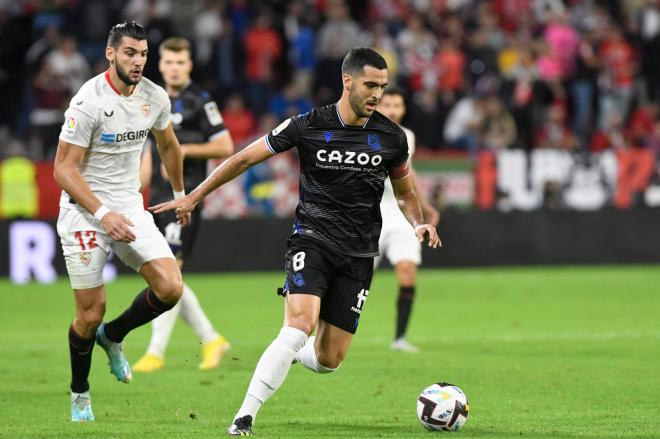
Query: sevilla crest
column 85, row 258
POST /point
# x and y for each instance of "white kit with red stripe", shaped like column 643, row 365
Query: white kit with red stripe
column 113, row 128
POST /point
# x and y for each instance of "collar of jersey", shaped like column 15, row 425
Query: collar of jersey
column 341, row 121
column 182, row 89
column 112, row 86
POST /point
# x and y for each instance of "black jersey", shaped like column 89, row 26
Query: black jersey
column 342, row 173
column 196, row 119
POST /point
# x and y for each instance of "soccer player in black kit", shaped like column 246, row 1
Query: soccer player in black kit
column 346, row 151
column 199, row 126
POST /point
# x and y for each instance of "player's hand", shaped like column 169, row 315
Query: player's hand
column 183, row 218
column 118, row 227
column 423, row 229
column 432, row 216
column 183, row 208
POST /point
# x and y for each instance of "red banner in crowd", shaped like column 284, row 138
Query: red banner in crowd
column 554, row 179
column 506, row 180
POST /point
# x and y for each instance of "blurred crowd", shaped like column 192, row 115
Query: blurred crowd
column 479, row 75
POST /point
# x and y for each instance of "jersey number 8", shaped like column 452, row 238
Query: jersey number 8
column 298, row 261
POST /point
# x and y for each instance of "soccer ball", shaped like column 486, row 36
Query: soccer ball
column 442, row 407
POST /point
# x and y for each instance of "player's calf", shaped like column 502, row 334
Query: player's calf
column 80, row 352
column 145, row 307
column 307, row 356
column 330, row 361
column 331, row 346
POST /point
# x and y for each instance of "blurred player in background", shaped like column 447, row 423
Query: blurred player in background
column 397, row 238
column 199, row 127
column 101, row 208
column 347, row 150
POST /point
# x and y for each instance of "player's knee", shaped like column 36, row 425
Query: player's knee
column 302, row 322
column 92, row 317
column 407, row 273
column 169, row 290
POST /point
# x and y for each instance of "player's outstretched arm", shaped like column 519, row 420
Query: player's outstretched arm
column 231, row 168
column 431, row 214
column 221, row 146
column 67, row 175
column 404, row 190
column 172, row 158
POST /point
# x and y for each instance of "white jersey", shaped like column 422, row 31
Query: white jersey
column 389, row 206
column 113, row 129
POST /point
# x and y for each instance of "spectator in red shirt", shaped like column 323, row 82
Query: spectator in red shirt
column 450, row 66
column 239, row 120
column 263, row 49
column 509, row 11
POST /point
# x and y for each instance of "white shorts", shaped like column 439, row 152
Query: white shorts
column 86, row 245
column 399, row 244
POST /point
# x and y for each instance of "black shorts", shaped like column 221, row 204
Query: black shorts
column 180, row 239
column 342, row 282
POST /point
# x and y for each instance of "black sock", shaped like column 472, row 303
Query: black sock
column 80, row 352
column 145, row 307
column 403, row 308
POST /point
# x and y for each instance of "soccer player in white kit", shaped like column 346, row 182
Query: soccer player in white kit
column 397, row 238
column 101, row 208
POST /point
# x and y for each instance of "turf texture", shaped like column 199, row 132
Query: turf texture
column 568, row 352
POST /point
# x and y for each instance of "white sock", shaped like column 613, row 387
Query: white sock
column 162, row 330
column 307, row 357
column 193, row 315
column 271, row 370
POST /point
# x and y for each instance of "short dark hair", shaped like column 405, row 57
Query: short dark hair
column 126, row 29
column 359, row 57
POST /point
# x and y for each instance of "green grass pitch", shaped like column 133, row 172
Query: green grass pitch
column 568, row 352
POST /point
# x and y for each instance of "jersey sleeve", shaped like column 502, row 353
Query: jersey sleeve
column 412, row 141
column 400, row 166
column 287, row 134
column 80, row 122
column 163, row 119
column 210, row 119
